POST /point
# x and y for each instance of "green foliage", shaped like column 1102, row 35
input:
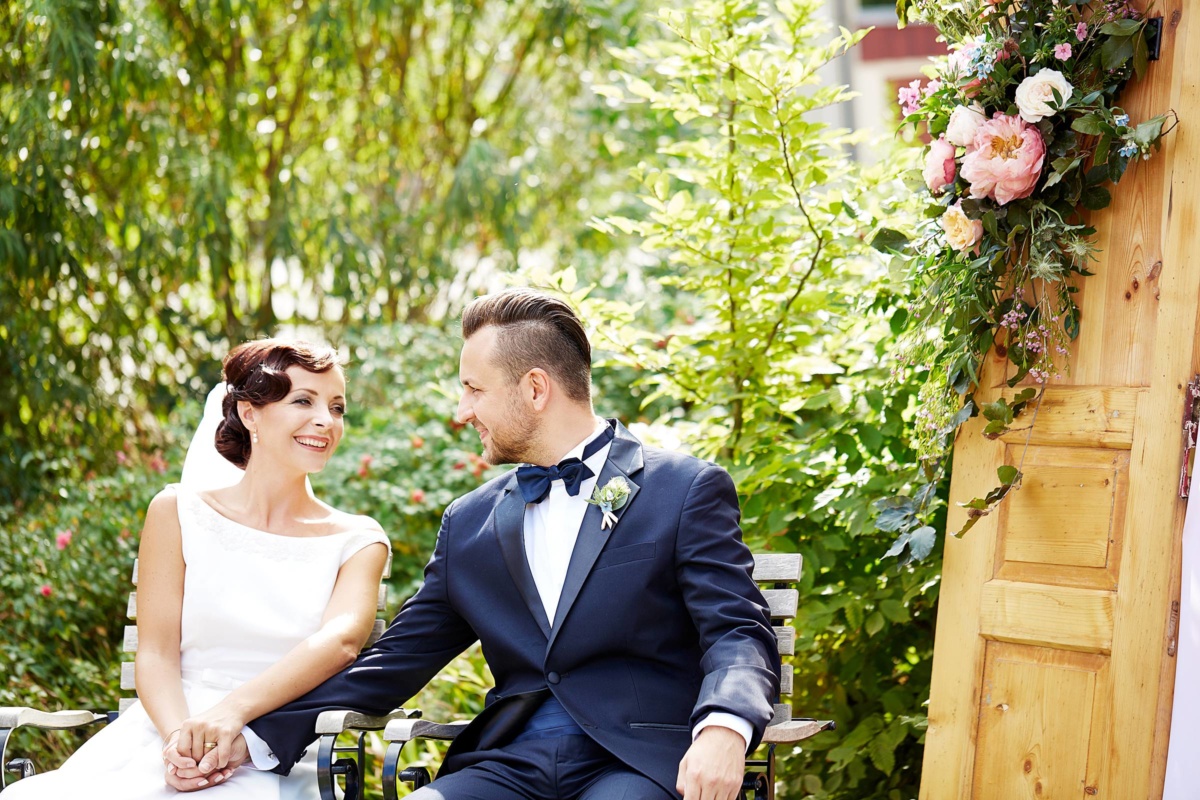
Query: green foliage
column 175, row 177
column 65, row 567
column 761, row 218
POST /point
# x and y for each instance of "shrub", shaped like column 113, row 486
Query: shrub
column 65, row 567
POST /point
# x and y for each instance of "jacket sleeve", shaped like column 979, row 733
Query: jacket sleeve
column 715, row 569
column 424, row 636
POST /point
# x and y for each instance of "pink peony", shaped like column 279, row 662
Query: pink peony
column 1081, row 31
column 939, row 165
column 63, row 539
column 46, row 591
column 1006, row 161
column 1062, row 51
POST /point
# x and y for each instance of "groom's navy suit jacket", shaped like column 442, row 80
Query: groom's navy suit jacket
column 659, row 622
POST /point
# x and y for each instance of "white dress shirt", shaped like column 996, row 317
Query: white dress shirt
column 550, row 530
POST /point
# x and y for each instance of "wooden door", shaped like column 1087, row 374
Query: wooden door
column 1053, row 666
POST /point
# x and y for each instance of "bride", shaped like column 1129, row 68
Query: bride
column 249, row 595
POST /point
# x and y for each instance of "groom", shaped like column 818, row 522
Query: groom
column 633, row 657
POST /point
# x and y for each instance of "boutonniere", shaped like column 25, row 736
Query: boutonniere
column 610, row 497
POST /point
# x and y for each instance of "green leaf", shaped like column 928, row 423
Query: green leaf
column 1116, row 51
column 921, row 542
column 875, row 623
column 999, row 411
column 1121, row 27
column 1007, row 474
column 887, row 240
column 1090, row 124
column 1095, row 198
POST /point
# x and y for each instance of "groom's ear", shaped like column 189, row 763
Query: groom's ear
column 537, row 386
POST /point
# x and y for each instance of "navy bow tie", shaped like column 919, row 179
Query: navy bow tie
column 534, row 482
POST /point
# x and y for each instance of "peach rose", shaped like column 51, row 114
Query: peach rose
column 962, row 232
column 1006, row 160
column 939, row 166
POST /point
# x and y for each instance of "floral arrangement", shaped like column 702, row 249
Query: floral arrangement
column 1026, row 135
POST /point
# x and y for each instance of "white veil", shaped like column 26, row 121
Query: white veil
column 203, row 467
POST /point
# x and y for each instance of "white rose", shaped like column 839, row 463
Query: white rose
column 1036, row 94
column 964, row 121
column 962, row 232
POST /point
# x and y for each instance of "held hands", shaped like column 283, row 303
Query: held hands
column 185, row 775
column 713, row 766
column 210, row 736
column 205, row 750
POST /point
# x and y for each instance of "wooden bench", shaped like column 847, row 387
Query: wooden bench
column 780, row 572
column 332, row 761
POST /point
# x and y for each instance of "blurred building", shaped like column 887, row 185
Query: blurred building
column 885, row 60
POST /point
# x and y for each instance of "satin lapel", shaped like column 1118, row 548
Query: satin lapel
column 510, row 524
column 624, row 460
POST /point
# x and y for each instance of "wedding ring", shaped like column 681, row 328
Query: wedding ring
column 209, row 745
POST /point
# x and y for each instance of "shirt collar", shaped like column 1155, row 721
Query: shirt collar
column 600, row 456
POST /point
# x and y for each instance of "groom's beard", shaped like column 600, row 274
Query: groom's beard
column 515, row 439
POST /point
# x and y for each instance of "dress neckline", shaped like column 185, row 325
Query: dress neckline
column 244, row 526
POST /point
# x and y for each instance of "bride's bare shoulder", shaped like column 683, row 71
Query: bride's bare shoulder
column 345, row 522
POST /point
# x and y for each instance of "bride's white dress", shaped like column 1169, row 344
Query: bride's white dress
column 249, row 597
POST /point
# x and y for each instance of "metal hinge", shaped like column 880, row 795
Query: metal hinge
column 1190, row 426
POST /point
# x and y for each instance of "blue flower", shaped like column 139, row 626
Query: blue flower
column 1129, row 150
column 1121, row 119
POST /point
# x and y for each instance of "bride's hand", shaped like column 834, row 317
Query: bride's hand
column 212, row 731
column 172, row 758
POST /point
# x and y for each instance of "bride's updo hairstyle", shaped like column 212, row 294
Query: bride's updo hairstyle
column 257, row 372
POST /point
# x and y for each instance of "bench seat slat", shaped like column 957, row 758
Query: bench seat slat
column 782, row 602
column 777, row 567
column 785, row 635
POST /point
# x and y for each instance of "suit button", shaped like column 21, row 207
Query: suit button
column 552, row 677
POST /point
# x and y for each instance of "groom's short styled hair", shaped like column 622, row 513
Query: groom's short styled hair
column 535, row 329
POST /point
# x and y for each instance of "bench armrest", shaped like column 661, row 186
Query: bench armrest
column 20, row 716
column 335, row 722
column 405, row 730
column 795, row 730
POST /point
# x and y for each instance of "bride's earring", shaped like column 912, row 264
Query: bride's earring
column 254, row 437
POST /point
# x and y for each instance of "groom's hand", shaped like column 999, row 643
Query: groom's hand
column 713, row 766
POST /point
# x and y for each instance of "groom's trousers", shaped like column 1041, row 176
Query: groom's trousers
column 569, row 767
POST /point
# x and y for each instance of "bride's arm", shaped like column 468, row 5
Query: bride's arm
column 160, row 604
column 345, row 626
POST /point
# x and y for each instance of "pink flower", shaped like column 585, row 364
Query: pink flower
column 909, row 97
column 1006, row 161
column 418, row 496
column 939, row 165
column 1062, row 51
column 121, row 457
column 45, row 591
column 63, row 539
column 932, row 87
column 1081, row 31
